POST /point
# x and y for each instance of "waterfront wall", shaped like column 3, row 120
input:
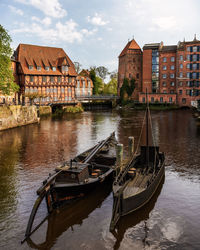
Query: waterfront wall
column 14, row 116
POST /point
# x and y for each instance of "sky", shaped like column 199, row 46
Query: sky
column 94, row 32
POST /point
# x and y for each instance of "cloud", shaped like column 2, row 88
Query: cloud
column 164, row 23
column 46, row 21
column 96, row 20
column 15, row 10
column 50, row 8
column 61, row 32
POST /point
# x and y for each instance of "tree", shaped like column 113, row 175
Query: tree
column 102, row 72
column 127, row 88
column 77, row 67
column 97, row 82
column 7, row 85
column 111, row 87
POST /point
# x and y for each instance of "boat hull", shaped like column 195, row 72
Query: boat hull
column 137, row 201
column 68, row 192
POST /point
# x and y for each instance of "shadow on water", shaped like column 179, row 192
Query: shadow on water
column 70, row 215
column 134, row 218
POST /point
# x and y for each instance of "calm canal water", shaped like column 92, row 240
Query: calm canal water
column 170, row 221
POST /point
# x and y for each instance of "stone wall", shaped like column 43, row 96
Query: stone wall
column 14, row 116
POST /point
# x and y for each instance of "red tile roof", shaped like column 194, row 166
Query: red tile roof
column 43, row 56
column 132, row 45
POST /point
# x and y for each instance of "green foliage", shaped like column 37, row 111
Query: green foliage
column 111, row 87
column 127, row 87
column 7, row 85
column 97, row 82
column 72, row 109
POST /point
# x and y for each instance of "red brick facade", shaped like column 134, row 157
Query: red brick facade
column 130, row 66
column 170, row 74
column 48, row 74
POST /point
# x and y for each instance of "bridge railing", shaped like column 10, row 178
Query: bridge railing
column 97, row 97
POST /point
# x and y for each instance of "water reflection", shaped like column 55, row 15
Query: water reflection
column 68, row 216
column 29, row 153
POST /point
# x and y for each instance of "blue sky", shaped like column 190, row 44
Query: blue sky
column 94, row 32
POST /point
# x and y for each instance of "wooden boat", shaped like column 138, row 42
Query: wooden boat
column 76, row 178
column 139, row 178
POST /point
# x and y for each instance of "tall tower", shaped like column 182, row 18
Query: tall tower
column 130, row 66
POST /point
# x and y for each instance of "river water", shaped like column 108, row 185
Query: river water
column 171, row 220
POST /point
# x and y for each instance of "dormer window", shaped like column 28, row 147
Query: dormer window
column 39, row 68
column 47, row 68
column 65, row 68
column 30, row 67
column 54, row 68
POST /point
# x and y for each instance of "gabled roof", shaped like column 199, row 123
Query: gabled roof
column 43, row 56
column 81, row 78
column 132, row 45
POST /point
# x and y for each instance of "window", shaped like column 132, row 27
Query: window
column 44, row 79
column 180, row 84
column 152, row 99
column 164, row 84
column 194, row 48
column 181, row 74
column 194, row 75
column 188, row 83
column 30, row 67
column 137, row 75
column 194, row 58
column 62, row 90
column 83, row 84
column 170, row 99
column 181, row 66
column 143, row 99
column 164, row 76
column 188, row 49
column 164, row 59
column 164, row 67
column 188, row 57
column 47, row 68
column 161, row 99
column 59, row 79
column 194, row 66
column 89, row 84
column 39, row 68
column 54, row 68
column 172, row 75
column 172, row 59
column 188, row 66
column 187, row 91
column 181, row 57
column 172, row 83
column 171, row 91
column 180, row 91
column 31, row 78
column 165, row 91
column 188, row 74
column 70, row 79
column 51, row 79
column 184, row 100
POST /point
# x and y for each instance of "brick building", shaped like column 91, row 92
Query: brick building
column 170, row 74
column 130, row 66
column 46, row 72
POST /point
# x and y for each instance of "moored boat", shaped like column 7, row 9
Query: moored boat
column 76, row 178
column 138, row 179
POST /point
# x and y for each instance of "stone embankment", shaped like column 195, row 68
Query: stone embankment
column 45, row 110
column 15, row 116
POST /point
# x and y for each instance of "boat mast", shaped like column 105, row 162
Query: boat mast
column 147, row 129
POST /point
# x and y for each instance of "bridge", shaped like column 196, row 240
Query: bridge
column 97, row 98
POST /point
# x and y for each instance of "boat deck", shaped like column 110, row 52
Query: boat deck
column 137, row 185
